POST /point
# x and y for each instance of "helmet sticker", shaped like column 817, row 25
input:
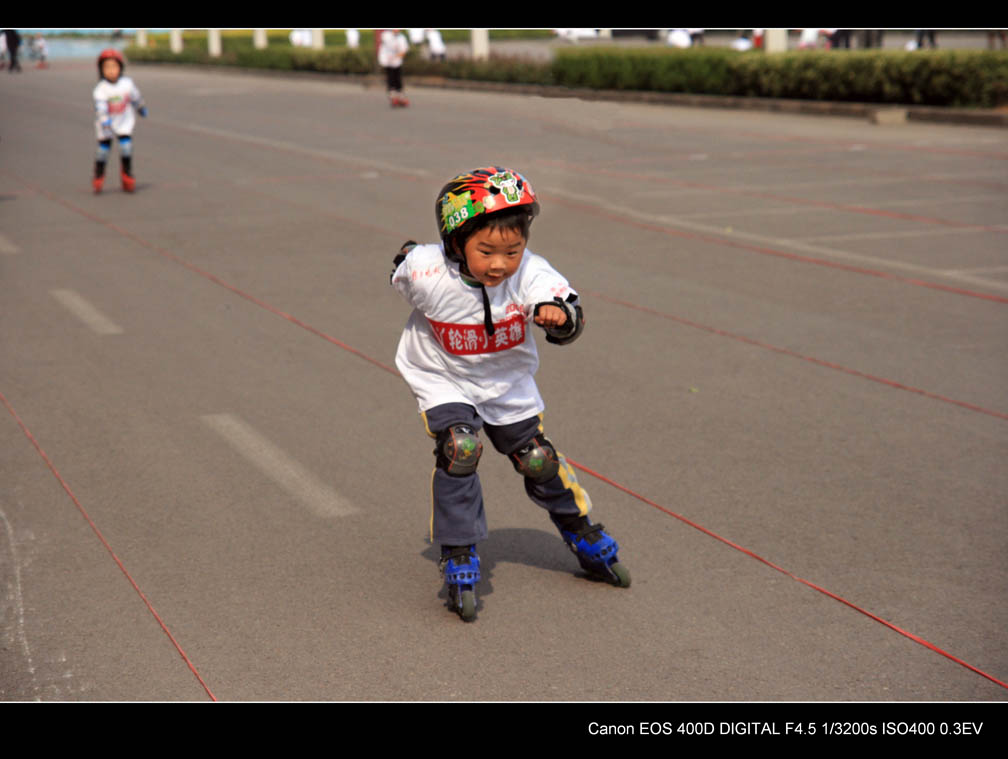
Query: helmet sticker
column 507, row 183
column 456, row 210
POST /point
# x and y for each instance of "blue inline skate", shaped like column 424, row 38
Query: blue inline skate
column 596, row 552
column 461, row 569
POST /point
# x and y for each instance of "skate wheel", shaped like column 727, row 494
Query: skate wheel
column 463, row 602
column 622, row 575
column 467, row 606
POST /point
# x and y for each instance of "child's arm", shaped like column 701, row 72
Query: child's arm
column 400, row 257
column 138, row 101
column 407, row 282
column 563, row 320
column 555, row 305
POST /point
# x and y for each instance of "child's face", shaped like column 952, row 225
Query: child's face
column 110, row 69
column 493, row 255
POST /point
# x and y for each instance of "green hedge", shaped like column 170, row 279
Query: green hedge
column 964, row 78
column 976, row 78
column 496, row 69
column 334, row 60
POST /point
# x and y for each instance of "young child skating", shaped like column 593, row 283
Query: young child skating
column 392, row 49
column 468, row 354
column 116, row 101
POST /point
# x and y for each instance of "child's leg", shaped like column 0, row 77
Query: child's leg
column 126, row 153
column 126, row 161
column 549, row 480
column 457, row 515
column 393, row 80
column 101, row 158
column 458, row 521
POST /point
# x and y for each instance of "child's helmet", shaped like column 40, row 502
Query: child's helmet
column 111, row 52
column 479, row 192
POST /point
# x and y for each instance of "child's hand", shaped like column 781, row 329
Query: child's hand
column 550, row 316
column 143, row 112
column 563, row 321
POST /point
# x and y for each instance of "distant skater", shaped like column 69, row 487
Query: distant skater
column 116, row 101
column 392, row 49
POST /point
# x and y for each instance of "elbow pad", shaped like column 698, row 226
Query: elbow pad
column 571, row 329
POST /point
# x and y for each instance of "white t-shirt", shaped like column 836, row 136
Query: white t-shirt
column 116, row 102
column 446, row 354
column 392, row 49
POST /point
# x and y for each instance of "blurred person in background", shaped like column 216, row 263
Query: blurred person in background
column 392, row 49
column 116, row 101
column 13, row 41
column 40, row 51
column 435, row 45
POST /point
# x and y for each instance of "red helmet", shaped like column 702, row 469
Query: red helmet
column 111, row 52
column 482, row 191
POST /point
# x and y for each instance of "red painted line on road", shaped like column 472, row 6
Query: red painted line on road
column 885, row 147
column 795, row 354
column 874, row 211
column 251, row 298
column 757, row 557
column 796, row 201
column 583, row 468
column 665, row 229
column 218, row 281
column 392, row 370
column 104, row 542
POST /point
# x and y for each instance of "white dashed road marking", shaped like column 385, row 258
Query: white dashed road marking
column 7, row 248
column 279, row 467
column 87, row 313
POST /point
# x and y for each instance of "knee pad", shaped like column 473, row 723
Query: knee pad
column 125, row 147
column 102, row 153
column 458, row 450
column 537, row 460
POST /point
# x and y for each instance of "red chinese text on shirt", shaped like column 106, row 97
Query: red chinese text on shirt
column 472, row 339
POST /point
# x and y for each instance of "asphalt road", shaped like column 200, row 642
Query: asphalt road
column 789, row 404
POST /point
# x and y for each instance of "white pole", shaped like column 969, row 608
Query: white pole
column 259, row 40
column 213, row 43
column 480, row 44
column 141, row 38
column 175, row 38
column 317, row 39
column 775, row 40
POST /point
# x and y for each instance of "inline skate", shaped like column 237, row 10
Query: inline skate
column 461, row 569
column 596, row 552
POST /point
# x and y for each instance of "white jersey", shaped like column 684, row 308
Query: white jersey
column 115, row 107
column 392, row 48
column 446, row 354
